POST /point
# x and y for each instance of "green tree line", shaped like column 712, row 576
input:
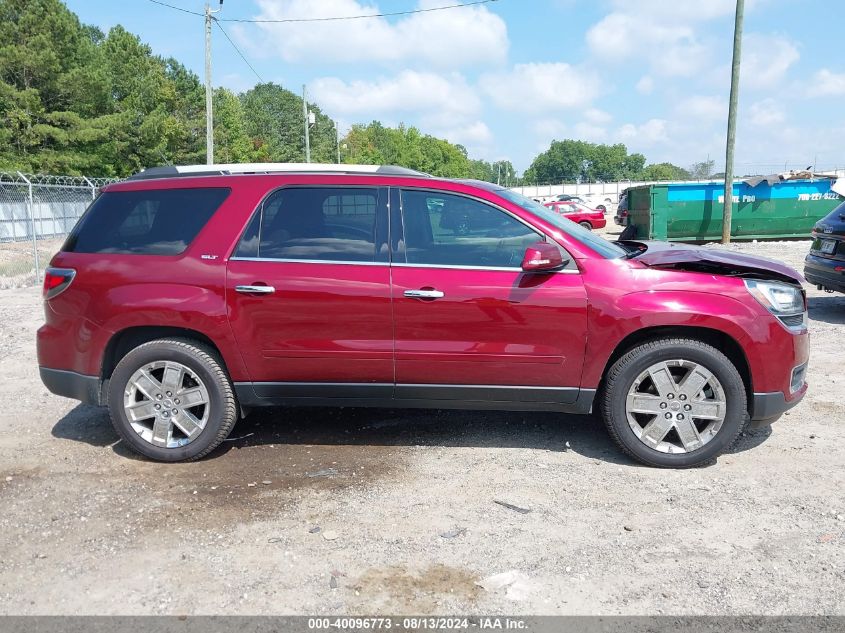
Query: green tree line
column 77, row 101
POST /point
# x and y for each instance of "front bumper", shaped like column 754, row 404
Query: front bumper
column 86, row 389
column 766, row 408
column 822, row 271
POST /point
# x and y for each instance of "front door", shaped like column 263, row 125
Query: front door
column 308, row 293
column 470, row 325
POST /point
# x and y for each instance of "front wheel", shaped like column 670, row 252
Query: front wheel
column 171, row 400
column 674, row 403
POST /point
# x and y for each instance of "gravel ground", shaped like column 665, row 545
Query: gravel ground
column 392, row 512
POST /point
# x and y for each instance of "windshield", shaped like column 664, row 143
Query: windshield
column 598, row 244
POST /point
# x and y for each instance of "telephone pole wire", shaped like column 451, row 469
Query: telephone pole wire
column 732, row 107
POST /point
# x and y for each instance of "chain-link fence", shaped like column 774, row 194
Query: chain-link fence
column 36, row 213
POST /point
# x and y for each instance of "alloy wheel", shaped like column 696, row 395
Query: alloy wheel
column 676, row 406
column 166, row 403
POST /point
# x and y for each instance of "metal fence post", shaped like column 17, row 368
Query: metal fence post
column 93, row 188
column 32, row 223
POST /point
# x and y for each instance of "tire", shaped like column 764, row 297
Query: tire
column 586, row 225
column 628, row 233
column 725, row 396
column 204, row 399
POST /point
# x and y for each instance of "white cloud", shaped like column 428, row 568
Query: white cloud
column 827, row 83
column 702, row 107
column 589, row 132
column 446, row 39
column 441, row 105
column 766, row 59
column 540, row 87
column 645, row 86
column 409, row 91
column 473, row 135
column 652, row 132
column 548, row 129
column 766, row 112
column 599, row 117
column 668, row 45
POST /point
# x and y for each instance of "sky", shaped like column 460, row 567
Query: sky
column 507, row 77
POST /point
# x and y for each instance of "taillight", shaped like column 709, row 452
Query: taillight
column 56, row 281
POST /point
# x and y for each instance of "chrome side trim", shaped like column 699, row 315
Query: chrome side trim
column 306, row 261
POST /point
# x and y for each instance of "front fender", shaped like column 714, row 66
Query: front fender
column 613, row 320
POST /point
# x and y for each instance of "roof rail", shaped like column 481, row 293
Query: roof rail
column 173, row 171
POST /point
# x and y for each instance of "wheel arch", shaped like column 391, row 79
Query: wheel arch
column 124, row 341
column 723, row 342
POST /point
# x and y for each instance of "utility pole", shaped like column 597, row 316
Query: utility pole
column 337, row 141
column 209, row 116
column 307, row 119
column 732, row 106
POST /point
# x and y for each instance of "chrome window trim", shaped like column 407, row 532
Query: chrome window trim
column 259, row 209
column 545, row 236
column 510, row 269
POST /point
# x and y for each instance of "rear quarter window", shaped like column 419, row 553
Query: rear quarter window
column 147, row 222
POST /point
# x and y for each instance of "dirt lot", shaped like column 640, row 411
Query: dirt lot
column 85, row 527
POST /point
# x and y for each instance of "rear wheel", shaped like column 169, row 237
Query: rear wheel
column 171, row 400
column 674, row 403
column 586, row 225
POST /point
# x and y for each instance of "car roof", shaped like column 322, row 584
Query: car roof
column 227, row 169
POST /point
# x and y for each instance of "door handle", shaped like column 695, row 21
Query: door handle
column 255, row 290
column 424, row 294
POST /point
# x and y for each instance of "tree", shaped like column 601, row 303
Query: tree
column 274, row 121
column 664, row 171
column 574, row 161
column 375, row 144
column 231, row 142
column 703, row 170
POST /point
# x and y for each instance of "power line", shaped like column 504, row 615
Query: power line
column 246, row 61
column 361, row 17
column 170, row 6
column 333, row 18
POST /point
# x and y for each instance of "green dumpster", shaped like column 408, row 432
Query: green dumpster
column 693, row 211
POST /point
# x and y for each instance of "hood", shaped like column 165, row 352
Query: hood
column 668, row 255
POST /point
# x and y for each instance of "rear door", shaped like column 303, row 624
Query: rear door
column 308, row 293
column 470, row 325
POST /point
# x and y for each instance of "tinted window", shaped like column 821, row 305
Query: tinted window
column 322, row 224
column 451, row 230
column 599, row 244
column 150, row 222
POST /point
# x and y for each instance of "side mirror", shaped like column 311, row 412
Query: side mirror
column 542, row 257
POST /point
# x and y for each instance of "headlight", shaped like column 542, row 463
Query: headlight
column 785, row 301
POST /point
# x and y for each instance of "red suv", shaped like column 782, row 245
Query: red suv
column 186, row 296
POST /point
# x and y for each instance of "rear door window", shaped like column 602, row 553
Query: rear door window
column 147, row 222
column 328, row 224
